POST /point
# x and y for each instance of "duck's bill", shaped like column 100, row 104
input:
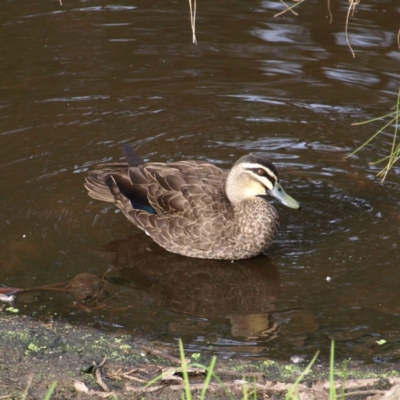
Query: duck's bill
column 283, row 197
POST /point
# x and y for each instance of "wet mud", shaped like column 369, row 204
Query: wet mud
column 89, row 363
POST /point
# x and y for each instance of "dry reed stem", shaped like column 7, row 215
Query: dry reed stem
column 398, row 38
column 351, row 9
column 193, row 19
column 395, row 147
column 28, row 385
column 289, row 8
column 330, row 12
column 299, row 2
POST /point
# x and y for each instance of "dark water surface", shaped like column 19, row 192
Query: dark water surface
column 80, row 79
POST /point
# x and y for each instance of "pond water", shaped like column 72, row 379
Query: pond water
column 80, row 79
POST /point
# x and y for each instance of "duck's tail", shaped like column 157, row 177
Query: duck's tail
column 97, row 185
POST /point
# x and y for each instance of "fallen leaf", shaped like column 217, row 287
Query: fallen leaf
column 80, row 387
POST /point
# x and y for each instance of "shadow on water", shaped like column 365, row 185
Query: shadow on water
column 154, row 293
column 243, row 291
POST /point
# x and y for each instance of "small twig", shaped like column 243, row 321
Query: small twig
column 105, row 283
column 357, row 392
column 234, row 385
column 133, row 378
column 289, row 8
column 159, row 353
column 100, row 381
column 98, row 374
column 228, row 372
column 118, row 374
column 103, row 306
column 52, row 286
column 150, row 389
column 10, row 290
column 105, row 274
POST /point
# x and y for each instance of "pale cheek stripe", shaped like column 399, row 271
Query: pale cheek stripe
column 265, row 182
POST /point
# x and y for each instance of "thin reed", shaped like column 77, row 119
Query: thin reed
column 394, row 155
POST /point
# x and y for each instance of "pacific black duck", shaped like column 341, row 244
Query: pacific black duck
column 194, row 208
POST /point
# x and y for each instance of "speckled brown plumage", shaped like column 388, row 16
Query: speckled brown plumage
column 184, row 207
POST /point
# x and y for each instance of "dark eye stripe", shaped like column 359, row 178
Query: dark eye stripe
column 265, row 174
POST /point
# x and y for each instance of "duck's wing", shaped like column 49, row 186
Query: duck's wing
column 190, row 189
column 180, row 205
column 189, row 202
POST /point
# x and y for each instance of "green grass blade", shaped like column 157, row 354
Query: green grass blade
column 368, row 121
column 245, row 393
column 394, row 155
column 332, row 388
column 210, row 371
column 156, row 379
column 185, row 374
column 379, row 161
column 290, row 395
column 215, row 377
column 372, row 137
column 345, row 370
column 393, row 152
column 50, row 391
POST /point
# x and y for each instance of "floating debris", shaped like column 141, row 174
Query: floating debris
column 297, row 359
column 6, row 299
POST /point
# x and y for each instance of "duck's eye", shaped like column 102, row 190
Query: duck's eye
column 260, row 172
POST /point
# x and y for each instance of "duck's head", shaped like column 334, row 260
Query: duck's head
column 255, row 175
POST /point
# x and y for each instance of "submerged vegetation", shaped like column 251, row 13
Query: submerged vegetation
column 393, row 122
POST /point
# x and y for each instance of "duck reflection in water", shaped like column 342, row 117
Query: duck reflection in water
column 243, row 290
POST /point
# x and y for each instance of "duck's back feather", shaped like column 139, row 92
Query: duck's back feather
column 192, row 190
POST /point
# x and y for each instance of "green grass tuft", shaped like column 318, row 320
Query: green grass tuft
column 394, row 155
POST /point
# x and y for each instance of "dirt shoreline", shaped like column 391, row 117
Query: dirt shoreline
column 41, row 353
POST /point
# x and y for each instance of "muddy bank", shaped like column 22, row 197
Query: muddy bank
column 41, row 353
